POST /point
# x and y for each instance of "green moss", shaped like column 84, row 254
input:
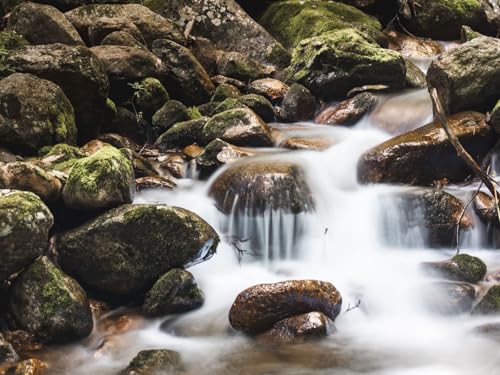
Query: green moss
column 462, row 7
column 259, row 104
column 182, row 134
column 490, row 304
column 226, row 105
column 9, row 41
column 150, row 95
column 225, row 91
column 278, row 55
column 154, row 362
column 470, row 269
column 194, row 113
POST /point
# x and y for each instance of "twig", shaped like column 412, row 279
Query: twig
column 462, row 215
column 349, row 308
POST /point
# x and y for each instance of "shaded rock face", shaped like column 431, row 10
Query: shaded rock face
column 462, row 267
column 333, row 63
column 467, row 77
column 151, row 25
column 25, row 222
column 425, row 155
column 104, row 26
column 151, row 362
column 298, row 104
column 224, row 22
column 50, row 304
column 490, row 304
column 258, row 308
column 174, row 292
column 449, row 298
column 171, row 113
column 182, row 134
column 78, row 72
column 256, row 186
column 127, row 249
column 349, row 111
column 7, row 352
column 34, row 113
column 260, row 105
column 42, row 24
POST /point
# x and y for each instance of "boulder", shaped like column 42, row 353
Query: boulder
column 60, row 157
column 175, row 292
column 102, row 180
column 150, row 362
column 412, row 47
column 182, row 134
column 270, row 88
column 425, row 155
column 349, row 111
column 301, row 143
column 485, row 208
column 217, row 153
column 260, row 307
column 34, row 113
column 225, row 91
column 462, row 267
column 415, row 77
column 150, row 96
column 124, row 251
column 50, row 304
column 42, row 24
column 467, row 77
column 227, row 105
column 298, row 104
column 130, row 124
column 121, row 38
column 260, row 105
column 78, row 72
column 104, row 26
column 239, row 126
column 238, row 66
column 333, row 63
column 25, row 222
column 7, row 352
column 168, row 115
column 490, row 303
column 449, row 298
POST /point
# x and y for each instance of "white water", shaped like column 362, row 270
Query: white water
column 345, row 241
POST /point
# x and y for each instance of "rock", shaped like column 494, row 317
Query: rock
column 42, row 24
column 259, row 307
column 50, row 304
column 7, row 352
column 495, row 118
column 240, row 126
column 415, row 77
column 227, row 105
column 425, row 155
column 219, row 80
column 25, row 222
column 292, row 21
column 78, row 72
column 270, row 88
column 34, row 113
column 298, row 104
column 29, row 177
column 150, row 96
column 260, row 105
column 61, row 157
column 128, row 248
column 224, row 23
column 184, row 74
column 442, row 19
column 154, row 182
column 225, row 91
column 462, row 267
column 238, row 66
column 171, row 113
column 258, row 186
column 175, row 292
column 348, row 112
column 217, row 153
column 467, row 34
column 467, row 77
column 104, row 26
column 182, row 134
column 151, row 25
column 27, row 367
column 176, row 165
column 102, row 180
column 490, row 304
column 489, row 330
column 23, row 341
column 312, row 325
column 131, row 125
column 151, row 362
column 485, row 208
column 449, row 298
column 121, row 38
column 412, row 47
column 333, row 63
column 298, row 143
column 118, row 141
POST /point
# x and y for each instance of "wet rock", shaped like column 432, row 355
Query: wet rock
column 151, row 25
column 127, row 249
column 425, row 155
column 104, row 26
column 171, row 113
column 78, row 72
column 449, row 298
column 225, row 91
column 490, row 303
column 42, row 24
column 7, row 352
column 298, row 143
column 420, row 17
column 298, row 104
column 349, row 111
column 462, row 267
column 151, row 362
column 29, row 177
column 333, row 63
column 485, row 208
column 293, row 21
column 25, row 222
column 238, row 66
column 313, row 325
column 217, row 153
column 142, row 166
column 121, row 38
column 258, row 308
column 27, row 367
column 34, row 113
column 50, row 304
column 467, row 77
column 270, row 88
column 489, row 330
column 412, row 47
column 185, row 76
column 153, row 182
column 175, row 292
column 176, row 165
column 415, row 77
column 260, row 105
column 182, row 134
column 240, row 126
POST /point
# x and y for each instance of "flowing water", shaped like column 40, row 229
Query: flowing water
column 358, row 238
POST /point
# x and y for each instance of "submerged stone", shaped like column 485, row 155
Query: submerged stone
column 151, row 362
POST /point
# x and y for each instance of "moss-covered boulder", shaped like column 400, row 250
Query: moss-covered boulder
column 150, row 362
column 226, row 105
column 467, row 77
column 298, row 104
column 225, row 91
column 7, row 352
column 335, row 62
column 60, row 157
column 25, row 222
column 169, row 114
column 443, row 19
column 104, row 179
column 50, row 304
column 124, row 251
column 291, row 21
column 490, row 304
column 42, row 24
column 150, row 96
column 425, row 155
column 239, row 126
column 29, row 177
column 349, row 111
column 238, row 66
column 260, row 105
column 175, row 292
column 78, row 72
column 34, row 113
column 462, row 267
column 182, row 134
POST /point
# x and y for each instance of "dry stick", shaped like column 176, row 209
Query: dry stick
column 462, row 215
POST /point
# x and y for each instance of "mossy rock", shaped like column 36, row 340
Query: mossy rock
column 102, row 180
column 151, row 362
column 25, row 222
column 150, row 96
column 50, row 304
column 124, row 251
column 169, row 114
column 333, row 63
column 238, row 66
column 292, row 21
column 462, row 267
column 260, row 105
column 182, row 134
column 175, row 292
column 60, row 157
column 9, row 41
column 225, row 91
column 490, row 304
column 228, row 104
